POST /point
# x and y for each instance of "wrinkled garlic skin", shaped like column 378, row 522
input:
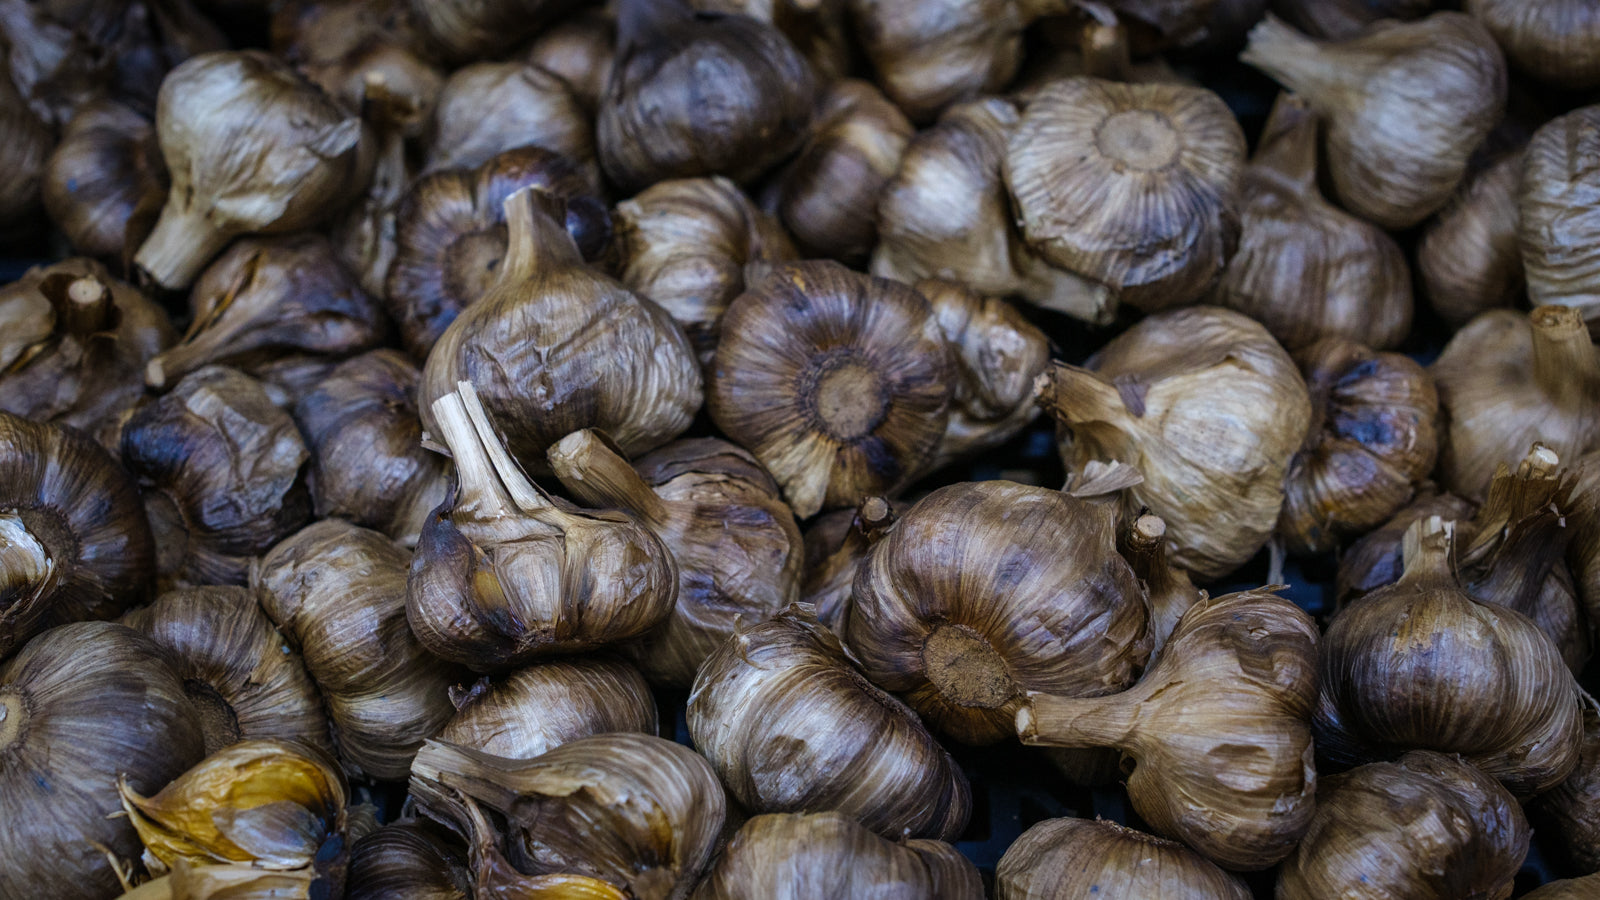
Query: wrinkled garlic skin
column 105, row 180
column 637, row 811
column 827, row 856
column 1376, row 559
column 1510, row 379
column 1305, row 268
column 465, row 30
column 1427, row 826
column 685, row 244
column 930, row 55
column 1570, row 811
column 1340, row 19
column 699, row 94
column 1406, row 104
column 363, row 235
column 237, row 670
column 985, row 590
column 835, row 544
column 1076, row 857
column 368, row 464
column 27, row 150
column 1218, row 729
column 251, row 146
column 217, row 435
column 1209, row 408
column 408, row 860
column 1552, row 40
column 1560, row 214
column 338, row 594
column 80, row 706
column 838, row 382
column 488, row 108
column 354, row 50
column 578, row 49
column 819, row 29
column 791, row 726
column 1134, row 186
column 269, row 297
column 1372, row 440
column 450, row 236
column 544, row 705
column 1468, row 257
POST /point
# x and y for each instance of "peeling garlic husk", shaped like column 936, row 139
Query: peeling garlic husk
column 408, row 860
column 579, row 49
column 544, row 705
column 1468, row 257
column 488, row 108
column 1559, row 209
column 1552, row 40
column 104, row 182
column 835, row 544
column 1063, row 857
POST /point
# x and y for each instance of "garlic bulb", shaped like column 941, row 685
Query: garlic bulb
column 270, row 296
column 1167, row 587
column 633, row 810
column 827, row 856
column 407, row 861
column 27, row 150
column 347, row 49
column 1377, row 559
column 1406, row 103
column 1306, row 269
column 719, row 514
column 252, row 147
column 685, row 243
column 1340, row 19
column 791, row 726
column 1372, row 440
column 1218, row 729
column 1559, row 221
column 368, row 464
column 839, row 383
column 1552, row 40
column 1509, row 379
column 217, row 435
column 236, row 668
column 1150, row 175
column 81, row 707
column 1567, row 889
column 983, row 591
column 1468, row 256
column 540, row 707
column 337, row 592
column 74, row 543
column 1570, row 811
column 699, row 94
column 105, row 181
column 609, row 360
column 1466, row 678
column 488, row 108
column 450, row 236
column 460, row 30
column 579, row 49
column 1428, row 826
column 74, row 342
column 1209, row 408
column 835, row 544
column 1583, row 553
column 1069, row 857
column 504, row 574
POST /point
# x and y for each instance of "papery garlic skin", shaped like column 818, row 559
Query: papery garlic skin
column 1560, row 214
column 1469, row 257
column 488, row 108
column 1071, row 857
column 928, row 55
column 1552, row 40
column 547, row 704
column 104, row 180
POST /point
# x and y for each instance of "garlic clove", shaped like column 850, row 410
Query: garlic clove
column 105, row 181
column 1067, row 857
column 363, row 235
column 1468, row 257
column 488, row 108
column 1558, row 219
column 547, row 704
column 1552, row 40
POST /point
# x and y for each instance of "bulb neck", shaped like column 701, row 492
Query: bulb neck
column 1426, row 549
column 15, row 715
column 82, row 303
column 179, row 248
column 536, row 236
column 596, row 473
column 1293, row 60
column 1564, row 362
column 966, row 669
column 1288, row 150
column 1078, row 722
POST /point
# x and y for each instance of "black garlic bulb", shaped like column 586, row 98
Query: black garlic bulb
column 488, row 108
column 1559, row 221
column 1071, row 857
column 1468, row 257
column 463, row 30
column 26, row 155
column 836, row 543
column 579, row 48
column 1341, row 19
column 104, row 183
column 546, row 704
column 1552, row 40
column 408, row 860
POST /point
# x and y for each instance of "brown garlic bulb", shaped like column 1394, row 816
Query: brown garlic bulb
column 791, row 726
column 928, row 56
column 27, row 149
column 217, row 435
column 1372, row 440
column 1218, row 729
column 1209, row 408
column 700, row 93
column 1340, row 19
column 1462, row 677
column 719, row 514
column 74, row 543
column 828, row 196
column 819, row 29
column 252, row 147
column 579, row 50
column 488, row 108
column 267, row 297
column 685, row 243
column 1151, row 174
column 504, row 573
column 538, row 708
column 1377, row 559
column 364, row 234
column 368, row 464
column 983, row 591
column 827, row 856
column 463, row 30
column 407, row 861
column 1468, row 256
column 835, row 544
column 634, row 810
column 1428, row 826
column 105, row 181
column 348, row 48
column 1583, row 553
column 1306, row 269
column 1405, row 103
column 236, row 668
column 1509, row 379
column 290, row 379
column 80, row 707
column 74, row 342
column 450, row 236
column 1072, row 857
column 337, row 592
column 1567, row 889
column 603, row 357
column 1552, row 40
column 1167, row 587
column 1560, row 214
column 839, row 383
column 1570, row 811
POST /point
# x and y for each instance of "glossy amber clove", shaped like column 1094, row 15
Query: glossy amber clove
column 488, row 108
column 544, row 705
column 835, row 544
column 1552, row 40
column 105, row 181
column 1065, row 857
column 1468, row 257
column 1559, row 211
